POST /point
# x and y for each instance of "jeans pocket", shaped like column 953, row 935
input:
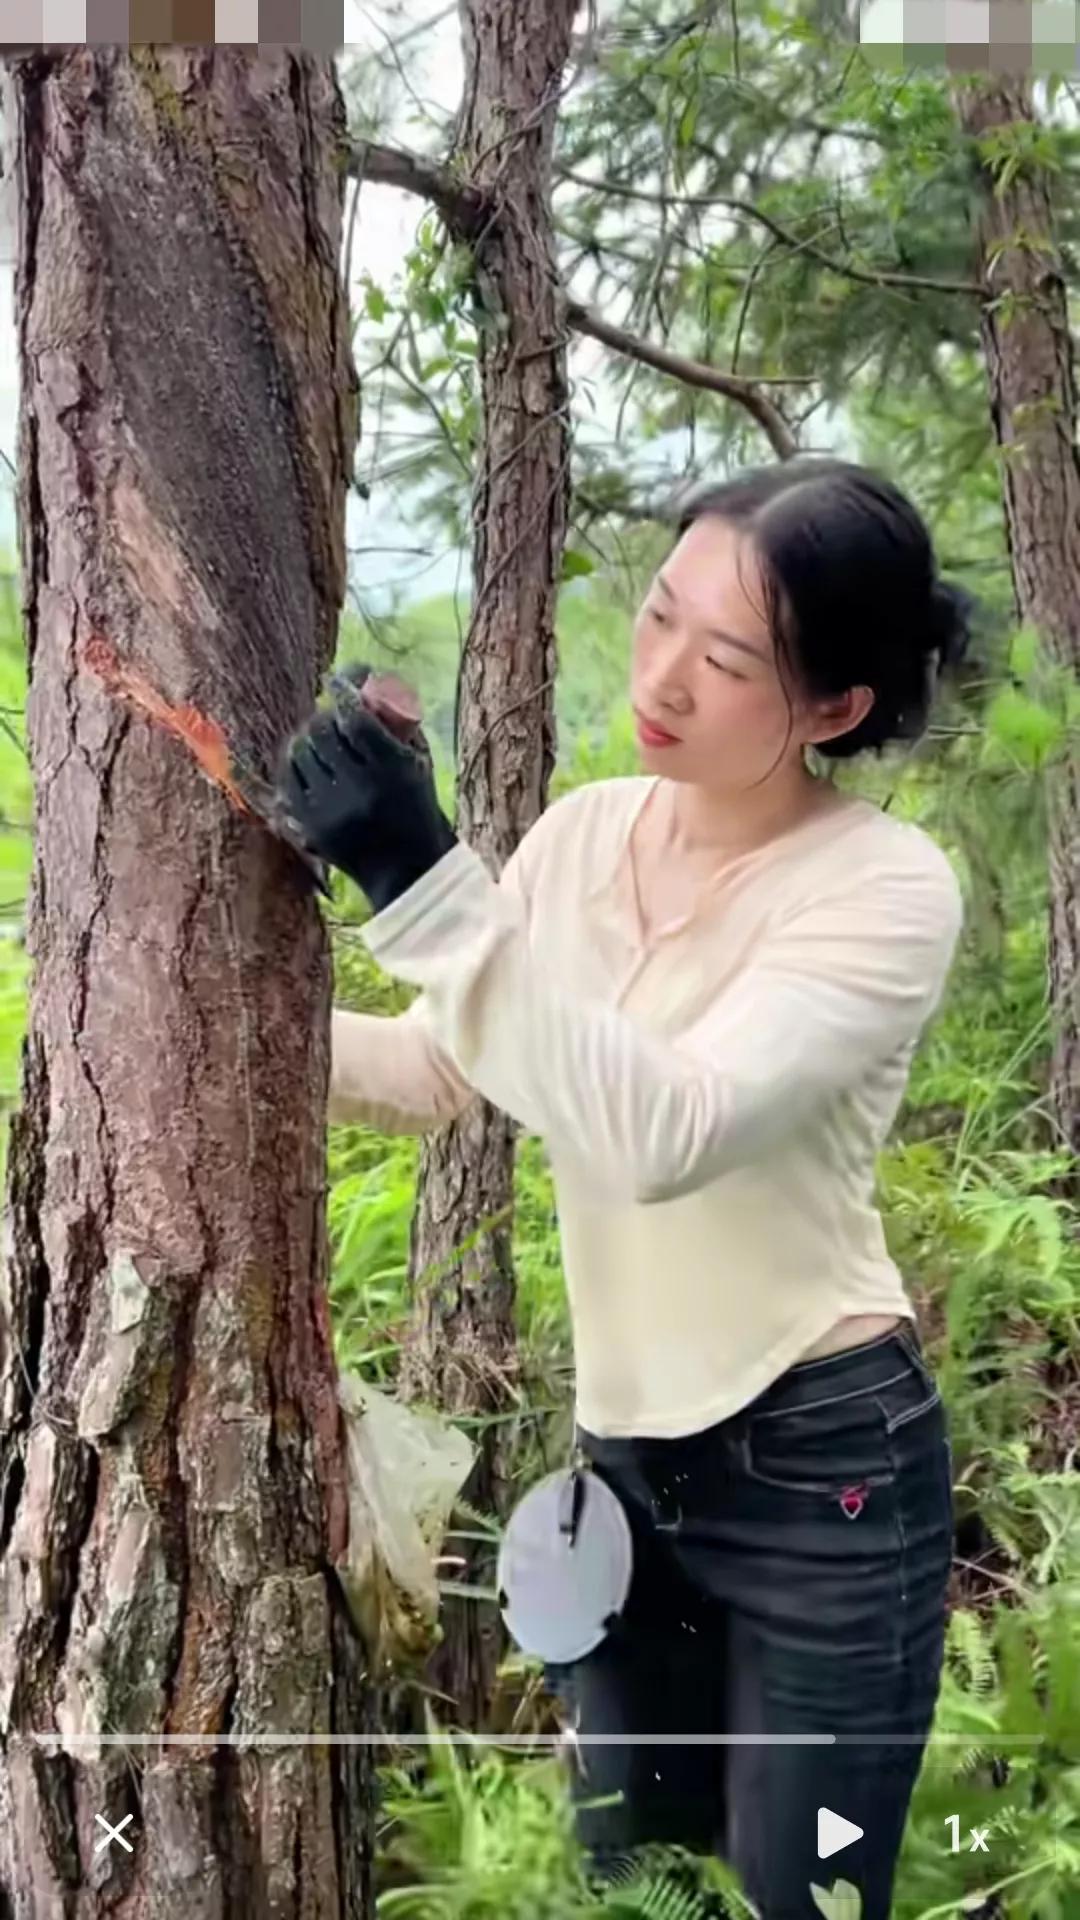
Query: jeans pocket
column 835, row 1444
column 909, row 1413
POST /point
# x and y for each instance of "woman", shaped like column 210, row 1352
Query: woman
column 702, row 986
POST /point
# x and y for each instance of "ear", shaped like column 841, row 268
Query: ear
column 839, row 715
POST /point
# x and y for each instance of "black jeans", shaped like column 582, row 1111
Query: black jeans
column 789, row 1578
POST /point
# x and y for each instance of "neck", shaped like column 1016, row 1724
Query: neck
column 711, row 823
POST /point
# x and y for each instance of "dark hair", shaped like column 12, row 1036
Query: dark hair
column 853, row 596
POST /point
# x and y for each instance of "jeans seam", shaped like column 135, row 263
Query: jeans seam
column 826, row 1489
column 912, row 1413
column 846, row 1353
column 903, row 1550
column 832, row 1400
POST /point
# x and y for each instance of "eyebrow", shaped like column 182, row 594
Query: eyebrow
column 716, row 633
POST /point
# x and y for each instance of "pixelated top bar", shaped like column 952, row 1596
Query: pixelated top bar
column 316, row 24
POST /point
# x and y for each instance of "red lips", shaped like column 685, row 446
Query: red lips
column 649, row 730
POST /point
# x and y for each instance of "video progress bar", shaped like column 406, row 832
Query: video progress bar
column 526, row 1740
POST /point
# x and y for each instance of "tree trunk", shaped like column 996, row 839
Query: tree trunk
column 1028, row 349
column 171, row 1465
column 462, row 1350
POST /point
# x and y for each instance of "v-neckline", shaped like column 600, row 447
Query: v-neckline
column 848, row 804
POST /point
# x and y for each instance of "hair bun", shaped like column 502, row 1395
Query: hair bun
column 952, row 611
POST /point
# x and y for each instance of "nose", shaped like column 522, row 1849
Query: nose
column 662, row 675
column 661, row 701
column 663, row 681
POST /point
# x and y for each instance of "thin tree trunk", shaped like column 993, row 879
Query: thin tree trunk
column 1028, row 349
column 172, row 1494
column 462, row 1350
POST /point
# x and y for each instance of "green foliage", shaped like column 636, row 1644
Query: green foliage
column 479, row 1834
column 1023, row 150
column 1006, row 1756
column 840, row 1902
column 1032, row 720
column 375, row 303
column 804, row 188
column 474, row 1831
column 767, row 199
column 423, row 339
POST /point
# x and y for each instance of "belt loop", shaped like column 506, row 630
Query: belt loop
column 908, row 1334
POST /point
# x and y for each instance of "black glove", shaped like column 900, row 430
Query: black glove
column 363, row 800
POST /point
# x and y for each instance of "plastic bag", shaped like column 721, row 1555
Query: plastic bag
column 405, row 1469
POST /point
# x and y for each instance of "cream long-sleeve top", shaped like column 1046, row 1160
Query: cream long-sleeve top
column 712, row 1100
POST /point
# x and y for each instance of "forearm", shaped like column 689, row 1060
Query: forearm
column 389, row 1074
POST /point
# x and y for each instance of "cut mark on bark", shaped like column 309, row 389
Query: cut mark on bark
column 246, row 790
column 203, row 736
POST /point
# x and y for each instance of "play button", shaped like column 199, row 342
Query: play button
column 834, row 1832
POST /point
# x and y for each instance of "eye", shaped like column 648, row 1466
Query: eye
column 721, row 668
column 658, row 614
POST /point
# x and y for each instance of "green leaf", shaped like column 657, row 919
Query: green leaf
column 575, row 564
column 374, row 302
column 1027, row 731
column 1024, row 652
column 431, row 306
column 842, row 1902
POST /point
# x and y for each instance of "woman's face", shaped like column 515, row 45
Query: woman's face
column 705, row 671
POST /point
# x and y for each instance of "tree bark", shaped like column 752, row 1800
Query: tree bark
column 462, row 1348
column 172, row 1492
column 1029, row 360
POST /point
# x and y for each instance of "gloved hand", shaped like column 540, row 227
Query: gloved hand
column 363, row 800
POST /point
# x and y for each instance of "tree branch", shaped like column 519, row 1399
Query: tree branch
column 638, row 513
column 909, row 282
column 403, row 34
column 693, row 373
column 467, row 212
column 462, row 207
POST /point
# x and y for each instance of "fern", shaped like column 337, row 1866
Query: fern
column 1005, row 1756
column 653, row 1897
column 969, row 1646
